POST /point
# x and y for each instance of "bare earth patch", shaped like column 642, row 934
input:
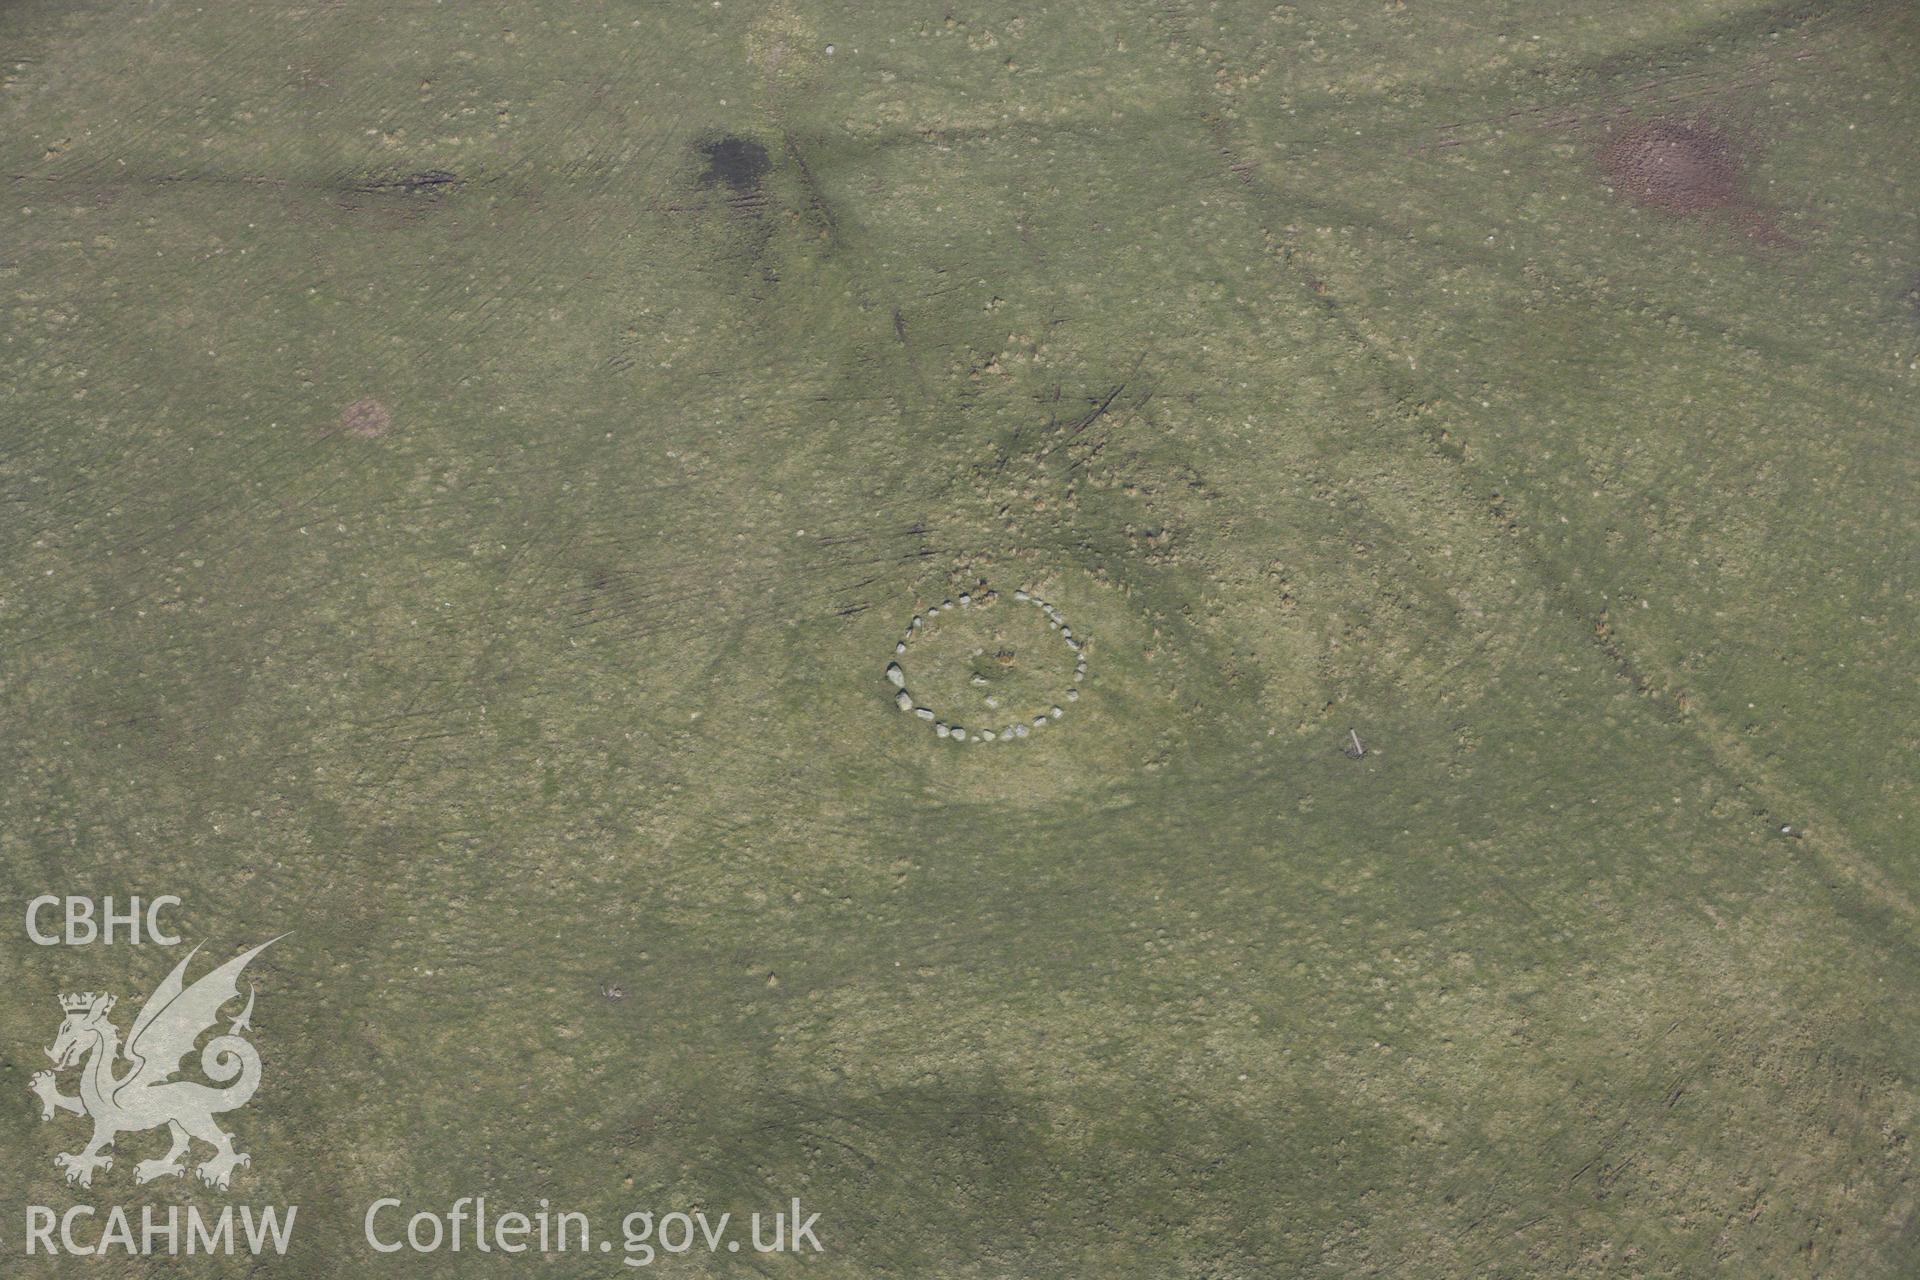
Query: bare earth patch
column 1674, row 166
column 1687, row 169
column 366, row 419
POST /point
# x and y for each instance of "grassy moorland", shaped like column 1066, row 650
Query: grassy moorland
column 464, row 469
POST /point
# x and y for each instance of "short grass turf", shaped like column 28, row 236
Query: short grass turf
column 464, row 469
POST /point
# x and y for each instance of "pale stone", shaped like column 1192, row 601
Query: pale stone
column 925, row 713
column 903, row 700
column 895, row 674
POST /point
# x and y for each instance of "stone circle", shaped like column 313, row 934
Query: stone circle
column 1011, row 724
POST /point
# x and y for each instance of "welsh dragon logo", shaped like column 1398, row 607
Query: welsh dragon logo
column 147, row 1096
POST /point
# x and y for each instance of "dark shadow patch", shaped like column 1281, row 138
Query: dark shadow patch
column 740, row 164
column 987, row 1170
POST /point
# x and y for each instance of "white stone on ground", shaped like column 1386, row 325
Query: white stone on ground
column 895, row 674
column 1020, row 595
column 1020, row 731
column 903, row 700
column 940, row 728
column 925, row 713
column 1056, row 713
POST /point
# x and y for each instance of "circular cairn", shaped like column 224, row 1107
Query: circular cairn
column 986, row 671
